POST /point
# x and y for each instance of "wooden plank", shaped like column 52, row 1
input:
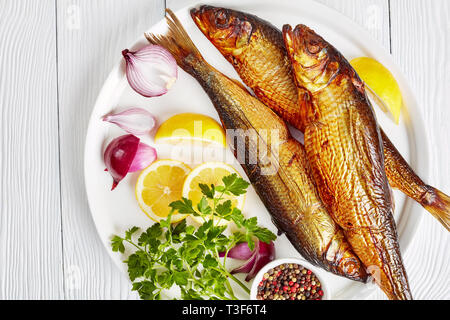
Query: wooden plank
column 421, row 47
column 372, row 15
column 30, row 219
column 91, row 36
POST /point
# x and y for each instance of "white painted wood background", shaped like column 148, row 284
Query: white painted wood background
column 55, row 56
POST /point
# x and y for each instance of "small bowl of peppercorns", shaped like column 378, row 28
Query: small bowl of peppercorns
column 288, row 279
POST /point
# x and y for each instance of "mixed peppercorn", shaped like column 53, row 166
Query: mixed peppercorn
column 289, row 282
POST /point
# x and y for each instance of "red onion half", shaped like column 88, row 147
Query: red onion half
column 151, row 71
column 256, row 259
column 127, row 154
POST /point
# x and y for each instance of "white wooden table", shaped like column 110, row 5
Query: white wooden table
column 54, row 58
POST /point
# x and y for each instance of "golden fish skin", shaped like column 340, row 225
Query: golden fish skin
column 345, row 150
column 280, row 174
column 256, row 50
column 401, row 176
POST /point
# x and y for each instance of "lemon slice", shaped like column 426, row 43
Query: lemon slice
column 159, row 185
column 190, row 127
column 381, row 81
column 210, row 173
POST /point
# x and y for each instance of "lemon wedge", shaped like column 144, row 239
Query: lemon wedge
column 210, row 173
column 381, row 81
column 190, row 127
column 159, row 185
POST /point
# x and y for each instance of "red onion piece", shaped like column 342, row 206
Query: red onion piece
column 145, row 156
column 136, row 121
column 246, row 267
column 119, row 155
column 260, row 256
column 127, row 154
column 265, row 254
column 151, row 71
column 240, row 252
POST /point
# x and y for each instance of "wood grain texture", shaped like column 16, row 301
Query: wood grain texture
column 372, row 15
column 30, row 220
column 91, row 36
column 421, row 47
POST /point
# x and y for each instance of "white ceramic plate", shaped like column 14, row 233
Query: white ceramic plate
column 114, row 212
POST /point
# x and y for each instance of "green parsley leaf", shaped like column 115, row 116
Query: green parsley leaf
column 203, row 207
column 264, row 235
column 130, row 232
column 224, row 209
column 184, row 206
column 181, row 277
column 207, row 191
column 210, row 261
column 179, row 254
column 235, row 185
column 117, row 244
column 154, row 232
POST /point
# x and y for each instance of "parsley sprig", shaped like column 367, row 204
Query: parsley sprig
column 166, row 255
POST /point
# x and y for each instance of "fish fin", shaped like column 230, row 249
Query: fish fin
column 176, row 41
column 438, row 204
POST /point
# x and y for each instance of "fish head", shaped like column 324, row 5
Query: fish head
column 313, row 59
column 342, row 260
column 230, row 31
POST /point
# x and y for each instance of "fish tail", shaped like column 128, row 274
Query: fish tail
column 178, row 43
column 438, row 204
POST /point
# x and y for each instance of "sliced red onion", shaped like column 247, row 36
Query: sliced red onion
column 145, row 156
column 265, row 254
column 246, row 267
column 151, row 71
column 120, row 157
column 258, row 258
column 136, row 121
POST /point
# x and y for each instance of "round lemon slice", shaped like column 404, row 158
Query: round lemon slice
column 381, row 81
column 210, row 173
column 159, row 185
column 190, row 127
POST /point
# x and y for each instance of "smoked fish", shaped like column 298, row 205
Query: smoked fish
column 256, row 50
column 279, row 171
column 345, row 150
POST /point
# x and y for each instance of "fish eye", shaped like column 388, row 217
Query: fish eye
column 222, row 18
column 313, row 46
